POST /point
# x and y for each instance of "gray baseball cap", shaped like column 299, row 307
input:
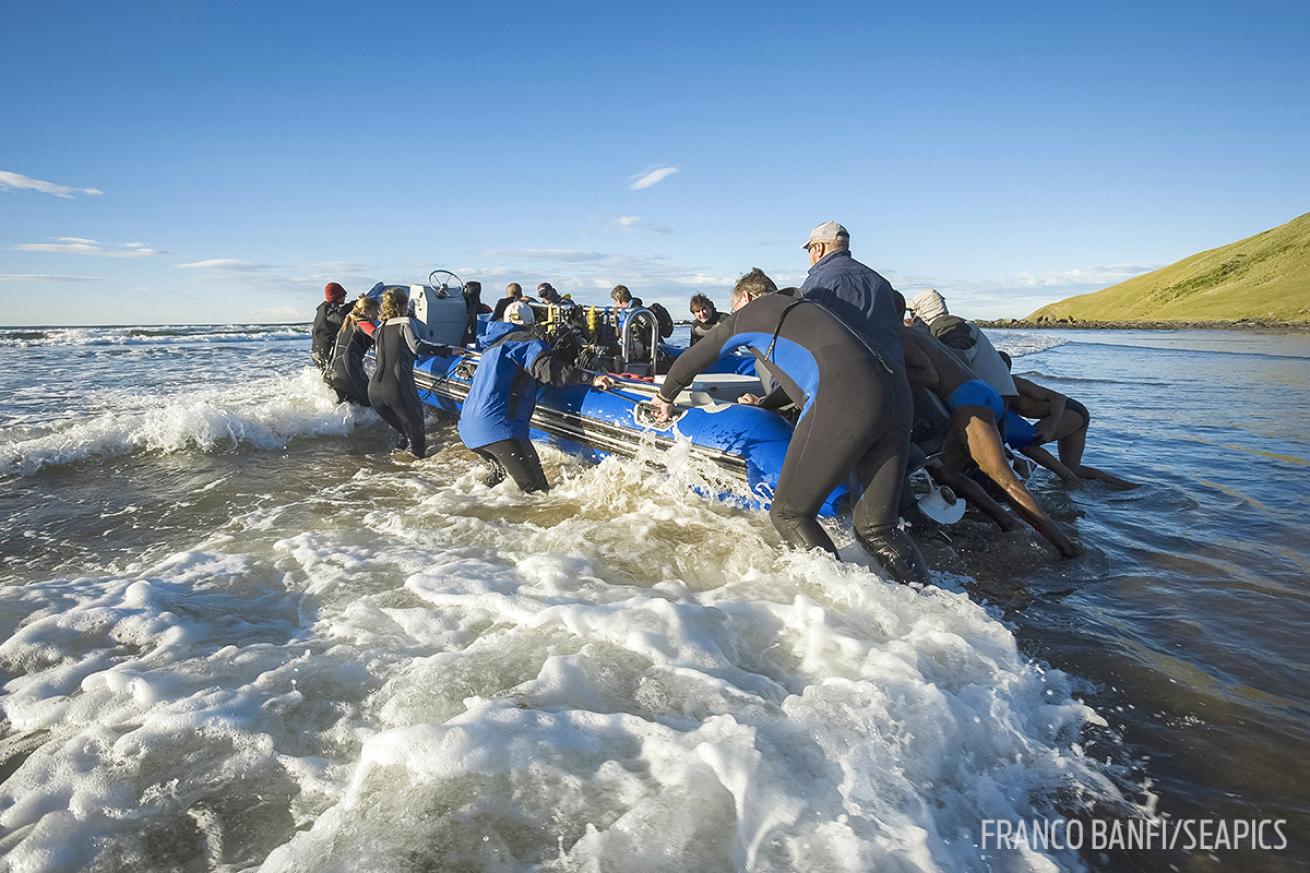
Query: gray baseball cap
column 829, row 231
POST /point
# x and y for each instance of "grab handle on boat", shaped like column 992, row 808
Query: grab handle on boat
column 644, row 414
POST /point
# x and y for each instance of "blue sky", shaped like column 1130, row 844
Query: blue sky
column 243, row 154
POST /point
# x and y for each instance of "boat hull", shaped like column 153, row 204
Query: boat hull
column 747, row 443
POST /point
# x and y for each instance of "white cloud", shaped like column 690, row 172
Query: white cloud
column 633, row 222
column 332, row 268
column 704, row 280
column 77, row 245
column 571, row 256
column 45, row 277
column 10, row 181
column 1098, row 276
column 650, row 177
column 226, row 265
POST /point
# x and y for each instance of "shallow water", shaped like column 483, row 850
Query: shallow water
column 239, row 634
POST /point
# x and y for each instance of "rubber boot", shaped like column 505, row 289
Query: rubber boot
column 897, row 553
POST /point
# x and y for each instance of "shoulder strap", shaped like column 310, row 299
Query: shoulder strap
column 768, row 354
column 877, row 356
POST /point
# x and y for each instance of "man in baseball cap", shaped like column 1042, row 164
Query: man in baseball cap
column 856, row 294
column 828, row 233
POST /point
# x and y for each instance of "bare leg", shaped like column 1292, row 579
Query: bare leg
column 1108, row 478
column 1072, row 436
column 979, row 427
column 1047, row 460
column 1072, row 440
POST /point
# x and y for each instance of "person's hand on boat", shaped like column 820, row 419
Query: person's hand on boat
column 604, row 382
column 663, row 408
column 749, row 399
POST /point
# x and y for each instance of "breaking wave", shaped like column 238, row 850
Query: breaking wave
column 36, row 337
column 264, row 413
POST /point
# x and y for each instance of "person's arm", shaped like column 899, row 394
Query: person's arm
column 547, row 368
column 774, row 400
column 695, row 359
column 919, row 369
column 407, row 331
column 690, row 363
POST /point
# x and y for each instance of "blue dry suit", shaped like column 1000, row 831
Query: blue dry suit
column 503, row 394
column 862, row 299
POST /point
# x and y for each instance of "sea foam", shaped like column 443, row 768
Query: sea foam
column 618, row 675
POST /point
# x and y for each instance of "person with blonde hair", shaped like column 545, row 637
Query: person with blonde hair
column 346, row 371
column 392, row 392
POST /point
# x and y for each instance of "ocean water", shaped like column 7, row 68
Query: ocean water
column 237, row 633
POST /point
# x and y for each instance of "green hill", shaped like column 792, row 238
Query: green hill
column 1263, row 277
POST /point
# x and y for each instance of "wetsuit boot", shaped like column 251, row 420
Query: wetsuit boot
column 897, row 553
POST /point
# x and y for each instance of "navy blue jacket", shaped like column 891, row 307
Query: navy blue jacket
column 503, row 395
column 861, row 298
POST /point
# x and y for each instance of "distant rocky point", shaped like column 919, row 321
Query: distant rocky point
column 1069, row 323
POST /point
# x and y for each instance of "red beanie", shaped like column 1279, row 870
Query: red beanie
column 334, row 292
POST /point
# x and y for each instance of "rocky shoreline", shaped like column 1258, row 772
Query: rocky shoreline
column 1073, row 324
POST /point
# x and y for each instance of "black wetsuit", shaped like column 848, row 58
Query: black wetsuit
column 701, row 329
column 391, row 391
column 346, row 374
column 518, row 458
column 327, row 324
column 498, row 314
column 855, row 415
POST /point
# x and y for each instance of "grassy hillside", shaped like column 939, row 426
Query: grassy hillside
column 1266, row 276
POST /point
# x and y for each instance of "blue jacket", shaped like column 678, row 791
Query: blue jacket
column 862, row 299
column 503, row 395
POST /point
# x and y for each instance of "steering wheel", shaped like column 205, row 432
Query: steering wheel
column 435, row 283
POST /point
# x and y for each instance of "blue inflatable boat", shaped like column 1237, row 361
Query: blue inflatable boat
column 747, row 443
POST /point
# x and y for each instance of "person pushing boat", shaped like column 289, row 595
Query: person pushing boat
column 855, row 416
column 346, row 374
column 328, row 318
column 503, row 394
column 977, row 411
column 392, row 392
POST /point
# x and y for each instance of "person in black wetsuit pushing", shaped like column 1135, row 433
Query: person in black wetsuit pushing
column 392, row 392
column 327, row 324
column 346, row 373
column 855, row 415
